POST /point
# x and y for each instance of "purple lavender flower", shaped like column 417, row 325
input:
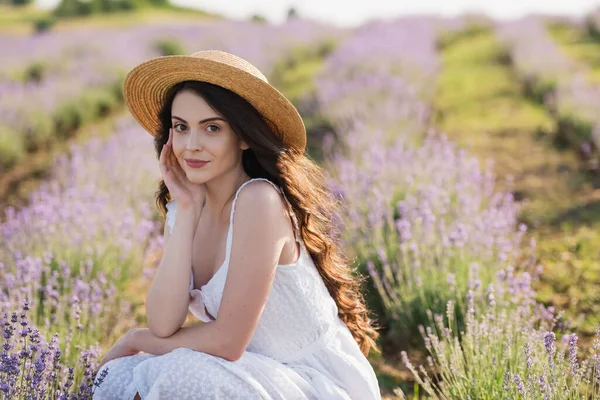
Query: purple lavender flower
column 549, row 342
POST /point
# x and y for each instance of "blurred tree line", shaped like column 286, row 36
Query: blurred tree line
column 71, row 8
column 292, row 13
column 16, row 2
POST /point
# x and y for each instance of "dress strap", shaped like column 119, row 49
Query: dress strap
column 230, row 230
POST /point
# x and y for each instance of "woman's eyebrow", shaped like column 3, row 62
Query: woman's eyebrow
column 201, row 122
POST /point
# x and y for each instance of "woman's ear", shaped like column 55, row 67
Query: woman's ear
column 244, row 145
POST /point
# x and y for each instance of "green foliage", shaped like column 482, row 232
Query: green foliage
column 573, row 130
column 169, row 47
column 41, row 25
column 478, row 93
column 593, row 29
column 69, row 116
column 473, row 29
column 40, row 133
column 576, row 123
column 72, row 114
column 100, row 101
column 19, row 3
column 475, row 50
column 73, row 8
column 293, row 74
column 34, row 72
column 537, row 88
column 317, row 126
column 12, row 150
column 577, row 43
column 260, row 19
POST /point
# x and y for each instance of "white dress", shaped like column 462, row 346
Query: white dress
column 300, row 349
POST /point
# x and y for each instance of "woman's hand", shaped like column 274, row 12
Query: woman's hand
column 125, row 346
column 184, row 192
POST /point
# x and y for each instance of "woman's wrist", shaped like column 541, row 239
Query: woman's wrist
column 189, row 215
column 191, row 209
column 133, row 339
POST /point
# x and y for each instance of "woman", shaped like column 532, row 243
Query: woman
column 283, row 315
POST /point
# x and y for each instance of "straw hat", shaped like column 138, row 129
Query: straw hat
column 146, row 86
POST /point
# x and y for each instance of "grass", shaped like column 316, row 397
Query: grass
column 294, row 76
column 579, row 45
column 18, row 17
column 480, row 105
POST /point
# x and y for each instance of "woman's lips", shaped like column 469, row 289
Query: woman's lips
column 196, row 164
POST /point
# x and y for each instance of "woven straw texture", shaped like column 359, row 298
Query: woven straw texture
column 146, row 86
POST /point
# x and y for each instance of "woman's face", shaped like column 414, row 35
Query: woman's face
column 200, row 133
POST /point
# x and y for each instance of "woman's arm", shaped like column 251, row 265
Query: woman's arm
column 168, row 297
column 202, row 337
column 260, row 230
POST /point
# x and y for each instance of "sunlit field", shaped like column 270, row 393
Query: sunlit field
column 464, row 151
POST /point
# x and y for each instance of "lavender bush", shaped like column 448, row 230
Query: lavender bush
column 428, row 228
column 420, row 215
column 85, row 234
column 33, row 367
column 380, row 82
column 90, row 207
column 534, row 55
column 504, row 352
column 552, row 78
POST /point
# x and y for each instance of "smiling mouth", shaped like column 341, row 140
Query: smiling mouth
column 196, row 164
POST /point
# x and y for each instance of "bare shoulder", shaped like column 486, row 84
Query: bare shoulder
column 261, row 202
column 260, row 197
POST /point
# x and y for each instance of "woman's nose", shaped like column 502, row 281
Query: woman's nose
column 194, row 141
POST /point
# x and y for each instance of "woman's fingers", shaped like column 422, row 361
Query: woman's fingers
column 162, row 159
column 174, row 170
column 177, row 169
column 165, row 160
column 173, row 174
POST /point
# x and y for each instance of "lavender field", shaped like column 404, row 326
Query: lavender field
column 464, row 150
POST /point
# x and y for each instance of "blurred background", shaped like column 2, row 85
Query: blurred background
column 461, row 137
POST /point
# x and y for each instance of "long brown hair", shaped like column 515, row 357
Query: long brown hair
column 302, row 182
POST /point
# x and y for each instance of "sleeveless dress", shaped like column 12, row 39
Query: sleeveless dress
column 301, row 349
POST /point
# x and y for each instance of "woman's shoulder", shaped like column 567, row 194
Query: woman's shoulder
column 260, row 196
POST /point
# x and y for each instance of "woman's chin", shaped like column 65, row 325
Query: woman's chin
column 196, row 177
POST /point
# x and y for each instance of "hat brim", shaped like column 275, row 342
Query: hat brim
column 145, row 88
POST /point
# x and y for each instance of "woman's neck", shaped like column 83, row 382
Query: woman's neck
column 221, row 189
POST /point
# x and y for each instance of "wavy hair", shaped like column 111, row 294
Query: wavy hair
column 302, row 182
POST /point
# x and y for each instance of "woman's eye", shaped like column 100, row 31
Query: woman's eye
column 179, row 125
column 216, row 126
